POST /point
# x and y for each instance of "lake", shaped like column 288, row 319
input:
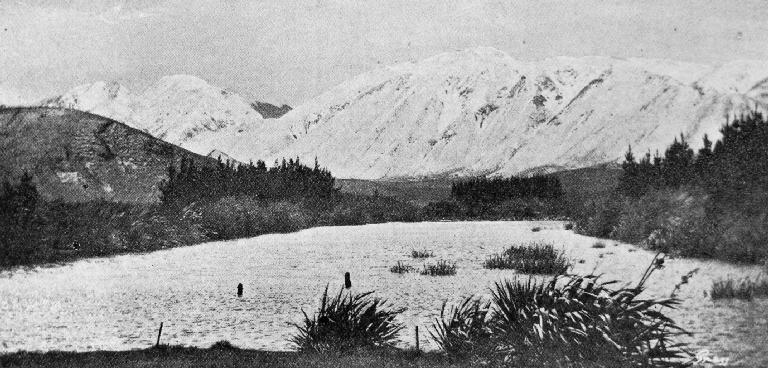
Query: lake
column 118, row 303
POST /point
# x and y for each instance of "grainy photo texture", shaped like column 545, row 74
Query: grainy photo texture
column 338, row 183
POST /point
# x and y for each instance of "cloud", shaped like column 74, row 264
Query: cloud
column 292, row 50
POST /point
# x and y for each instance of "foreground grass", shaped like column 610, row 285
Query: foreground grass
column 177, row 356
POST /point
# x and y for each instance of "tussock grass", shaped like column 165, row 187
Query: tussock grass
column 401, row 268
column 573, row 321
column 421, row 254
column 745, row 288
column 598, row 245
column 441, row 268
column 533, row 258
column 348, row 322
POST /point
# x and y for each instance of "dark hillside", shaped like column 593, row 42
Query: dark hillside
column 76, row 156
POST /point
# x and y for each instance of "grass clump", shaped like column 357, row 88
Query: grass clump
column 421, row 254
column 598, row 245
column 348, row 322
column 441, row 268
column 574, row 321
column 401, row 268
column 745, row 288
column 534, row 258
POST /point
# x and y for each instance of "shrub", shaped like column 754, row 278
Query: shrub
column 441, row 268
column 348, row 322
column 745, row 288
column 572, row 321
column 401, row 268
column 223, row 345
column 534, row 258
column 598, row 245
column 421, row 254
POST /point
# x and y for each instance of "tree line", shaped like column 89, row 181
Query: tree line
column 481, row 189
column 289, row 179
column 737, row 163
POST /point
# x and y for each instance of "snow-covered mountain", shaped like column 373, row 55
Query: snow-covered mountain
column 180, row 109
column 473, row 112
column 482, row 112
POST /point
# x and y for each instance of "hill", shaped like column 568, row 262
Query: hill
column 78, row 156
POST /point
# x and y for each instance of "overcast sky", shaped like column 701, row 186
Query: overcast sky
column 291, row 50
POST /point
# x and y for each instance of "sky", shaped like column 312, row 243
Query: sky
column 288, row 51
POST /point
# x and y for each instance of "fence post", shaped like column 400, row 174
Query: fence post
column 159, row 332
column 417, row 340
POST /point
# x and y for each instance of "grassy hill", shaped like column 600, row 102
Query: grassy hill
column 76, row 156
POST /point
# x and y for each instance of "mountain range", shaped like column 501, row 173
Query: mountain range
column 471, row 112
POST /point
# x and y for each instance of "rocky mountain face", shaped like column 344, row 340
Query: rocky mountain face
column 473, row 112
column 481, row 112
column 270, row 111
column 180, row 109
column 78, row 156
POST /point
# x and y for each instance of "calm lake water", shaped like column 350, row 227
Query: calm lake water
column 118, row 303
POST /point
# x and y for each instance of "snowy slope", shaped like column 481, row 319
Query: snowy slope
column 180, row 109
column 473, row 112
column 482, row 112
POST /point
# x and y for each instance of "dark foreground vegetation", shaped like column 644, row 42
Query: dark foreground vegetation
column 198, row 204
column 567, row 321
column 221, row 355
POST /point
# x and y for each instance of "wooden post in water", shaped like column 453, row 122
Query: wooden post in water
column 159, row 332
column 417, row 340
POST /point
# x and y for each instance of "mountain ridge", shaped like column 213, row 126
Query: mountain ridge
column 471, row 112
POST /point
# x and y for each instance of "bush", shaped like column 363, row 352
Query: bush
column 534, row 258
column 348, row 322
column 598, row 245
column 441, row 268
column 745, row 288
column 223, row 345
column 572, row 321
column 401, row 268
column 421, row 254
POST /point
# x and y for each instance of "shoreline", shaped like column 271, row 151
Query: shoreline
column 67, row 260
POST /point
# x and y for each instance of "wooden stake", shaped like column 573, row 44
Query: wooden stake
column 417, row 340
column 159, row 332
